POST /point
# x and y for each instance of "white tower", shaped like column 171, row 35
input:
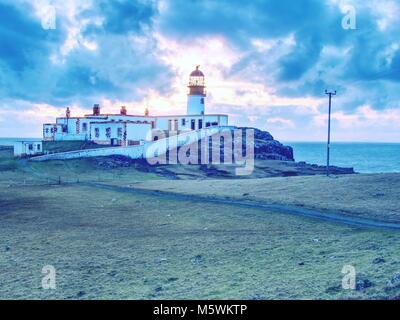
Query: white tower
column 197, row 93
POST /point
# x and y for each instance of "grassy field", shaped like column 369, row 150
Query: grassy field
column 112, row 244
column 375, row 196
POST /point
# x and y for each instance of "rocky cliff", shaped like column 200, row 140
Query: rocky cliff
column 266, row 148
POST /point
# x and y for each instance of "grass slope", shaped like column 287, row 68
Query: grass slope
column 116, row 245
column 373, row 196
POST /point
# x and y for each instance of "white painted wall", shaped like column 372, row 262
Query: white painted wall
column 134, row 131
column 27, row 148
column 138, row 131
column 50, row 130
column 101, row 128
column 162, row 123
column 195, row 104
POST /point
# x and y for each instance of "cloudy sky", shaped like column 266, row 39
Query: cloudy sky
column 267, row 63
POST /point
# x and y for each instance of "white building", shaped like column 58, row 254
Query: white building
column 27, row 148
column 124, row 129
column 122, row 132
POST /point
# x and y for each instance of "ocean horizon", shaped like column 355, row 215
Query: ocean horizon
column 364, row 157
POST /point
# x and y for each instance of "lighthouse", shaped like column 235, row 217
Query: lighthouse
column 197, row 93
column 126, row 129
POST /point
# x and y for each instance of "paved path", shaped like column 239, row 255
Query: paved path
column 270, row 207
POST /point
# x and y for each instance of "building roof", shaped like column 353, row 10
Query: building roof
column 104, row 116
column 29, row 141
column 121, row 121
column 111, row 114
column 197, row 73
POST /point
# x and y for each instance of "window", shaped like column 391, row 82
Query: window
column 192, row 124
column 183, row 122
column 208, row 124
column 202, row 100
column 119, row 132
column 84, row 127
column 38, row 147
column 97, row 132
column 108, row 132
column 30, row 146
column 200, row 123
column 47, row 130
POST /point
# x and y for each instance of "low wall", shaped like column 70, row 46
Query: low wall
column 134, row 152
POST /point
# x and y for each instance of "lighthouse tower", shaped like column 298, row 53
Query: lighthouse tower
column 197, row 93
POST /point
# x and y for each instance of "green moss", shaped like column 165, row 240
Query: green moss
column 64, row 146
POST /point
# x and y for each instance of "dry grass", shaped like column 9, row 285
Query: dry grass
column 374, row 196
column 106, row 244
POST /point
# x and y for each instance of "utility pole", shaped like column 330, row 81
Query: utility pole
column 329, row 130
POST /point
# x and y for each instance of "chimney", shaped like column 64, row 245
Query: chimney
column 146, row 112
column 96, row 110
column 123, row 111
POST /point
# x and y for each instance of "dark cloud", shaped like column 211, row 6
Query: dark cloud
column 239, row 20
column 124, row 64
column 304, row 55
column 23, row 40
column 120, row 16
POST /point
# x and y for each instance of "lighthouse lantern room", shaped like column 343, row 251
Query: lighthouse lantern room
column 197, row 93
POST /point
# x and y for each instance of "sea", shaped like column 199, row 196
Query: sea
column 10, row 141
column 363, row 157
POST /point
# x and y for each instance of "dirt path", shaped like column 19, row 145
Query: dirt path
column 271, row 207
